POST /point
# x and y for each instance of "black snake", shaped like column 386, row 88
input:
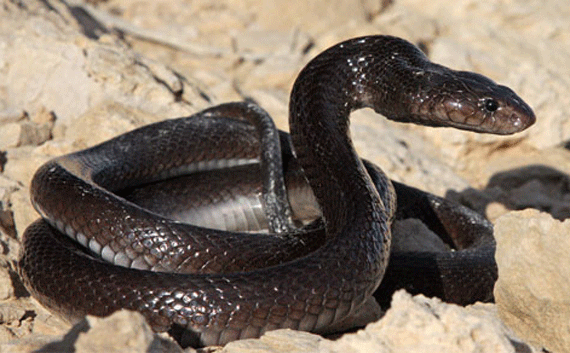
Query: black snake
column 232, row 285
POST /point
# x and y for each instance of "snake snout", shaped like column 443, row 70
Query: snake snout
column 513, row 123
column 511, row 115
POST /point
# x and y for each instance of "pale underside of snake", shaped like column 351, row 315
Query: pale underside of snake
column 217, row 286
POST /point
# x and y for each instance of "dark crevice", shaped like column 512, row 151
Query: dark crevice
column 92, row 28
column 3, row 160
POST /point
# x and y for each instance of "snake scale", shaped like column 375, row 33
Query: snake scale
column 94, row 252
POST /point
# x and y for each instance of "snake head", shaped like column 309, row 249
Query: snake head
column 469, row 101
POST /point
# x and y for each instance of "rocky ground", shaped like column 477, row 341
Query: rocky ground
column 76, row 73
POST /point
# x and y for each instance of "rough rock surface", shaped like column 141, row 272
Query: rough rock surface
column 75, row 73
column 534, row 277
column 420, row 324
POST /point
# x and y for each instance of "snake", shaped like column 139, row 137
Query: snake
column 95, row 252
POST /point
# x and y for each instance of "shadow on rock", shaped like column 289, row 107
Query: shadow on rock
column 536, row 186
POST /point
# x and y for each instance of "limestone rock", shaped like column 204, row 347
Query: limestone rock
column 532, row 292
column 123, row 331
column 11, row 312
column 10, row 135
column 276, row 341
column 419, row 324
column 71, row 73
column 402, row 154
column 23, row 315
column 24, row 133
column 6, row 287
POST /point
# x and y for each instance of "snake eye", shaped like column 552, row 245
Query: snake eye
column 491, row 105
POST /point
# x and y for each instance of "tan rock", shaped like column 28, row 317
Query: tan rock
column 10, row 135
column 6, row 335
column 11, row 312
column 402, row 154
column 67, row 74
column 23, row 133
column 11, row 116
column 532, row 292
column 91, row 129
column 34, row 134
column 21, row 166
column 6, row 287
column 419, row 324
column 276, row 341
column 121, row 332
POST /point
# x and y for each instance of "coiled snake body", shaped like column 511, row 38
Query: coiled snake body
column 232, row 285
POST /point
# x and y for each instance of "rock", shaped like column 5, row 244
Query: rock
column 71, row 73
column 23, row 315
column 534, row 277
column 11, row 312
column 402, row 154
column 11, row 116
column 24, row 133
column 419, row 324
column 34, row 134
column 6, row 287
column 276, row 341
column 5, row 335
column 26, row 345
column 90, row 129
column 122, row 331
column 10, row 135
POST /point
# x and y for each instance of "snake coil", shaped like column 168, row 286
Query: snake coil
column 232, row 285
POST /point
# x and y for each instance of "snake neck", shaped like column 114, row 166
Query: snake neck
column 319, row 122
